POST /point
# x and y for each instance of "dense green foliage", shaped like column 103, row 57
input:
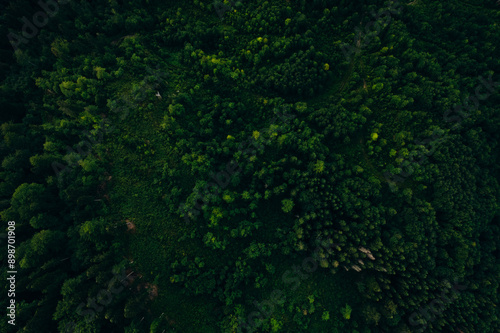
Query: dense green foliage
column 266, row 166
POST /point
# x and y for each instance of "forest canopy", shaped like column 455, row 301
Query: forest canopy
column 250, row 166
